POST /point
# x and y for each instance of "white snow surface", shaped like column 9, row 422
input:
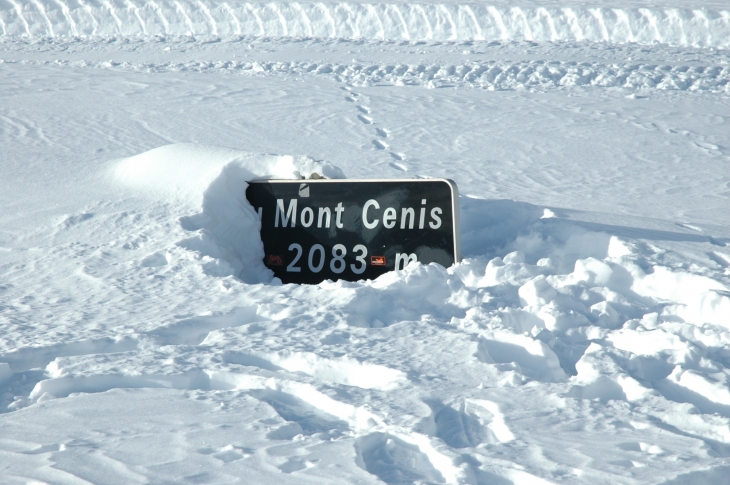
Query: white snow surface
column 705, row 27
column 584, row 338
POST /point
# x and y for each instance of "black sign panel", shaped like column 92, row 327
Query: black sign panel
column 315, row 230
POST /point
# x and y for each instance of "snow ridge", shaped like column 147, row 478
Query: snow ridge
column 700, row 27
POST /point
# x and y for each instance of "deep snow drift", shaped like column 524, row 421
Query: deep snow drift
column 585, row 337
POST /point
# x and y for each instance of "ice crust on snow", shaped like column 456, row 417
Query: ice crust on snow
column 701, row 27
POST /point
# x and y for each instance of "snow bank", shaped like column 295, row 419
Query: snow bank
column 226, row 231
column 225, row 236
column 398, row 21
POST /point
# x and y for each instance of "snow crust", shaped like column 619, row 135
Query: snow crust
column 584, row 338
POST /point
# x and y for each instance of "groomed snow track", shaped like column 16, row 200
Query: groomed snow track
column 700, row 27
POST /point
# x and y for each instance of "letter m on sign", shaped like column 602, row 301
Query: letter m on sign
column 291, row 213
column 403, row 259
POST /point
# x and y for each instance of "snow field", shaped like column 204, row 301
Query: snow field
column 701, row 27
column 583, row 339
column 594, row 319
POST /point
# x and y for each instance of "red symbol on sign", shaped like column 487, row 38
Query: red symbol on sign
column 274, row 260
column 377, row 260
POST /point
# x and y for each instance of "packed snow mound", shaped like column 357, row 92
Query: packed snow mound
column 226, row 230
column 397, row 21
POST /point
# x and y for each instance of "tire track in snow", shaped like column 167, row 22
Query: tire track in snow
column 490, row 75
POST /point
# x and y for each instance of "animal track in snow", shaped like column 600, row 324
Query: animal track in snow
column 364, row 115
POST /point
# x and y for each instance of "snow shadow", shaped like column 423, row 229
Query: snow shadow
column 652, row 234
column 487, row 226
column 532, row 358
column 675, row 392
column 395, row 461
column 306, row 419
column 454, row 426
column 495, row 227
column 712, row 476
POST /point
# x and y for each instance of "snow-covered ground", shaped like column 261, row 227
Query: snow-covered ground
column 585, row 337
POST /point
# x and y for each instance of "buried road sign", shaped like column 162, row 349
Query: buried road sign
column 316, row 230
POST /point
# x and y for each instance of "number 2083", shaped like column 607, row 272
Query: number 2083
column 316, row 259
